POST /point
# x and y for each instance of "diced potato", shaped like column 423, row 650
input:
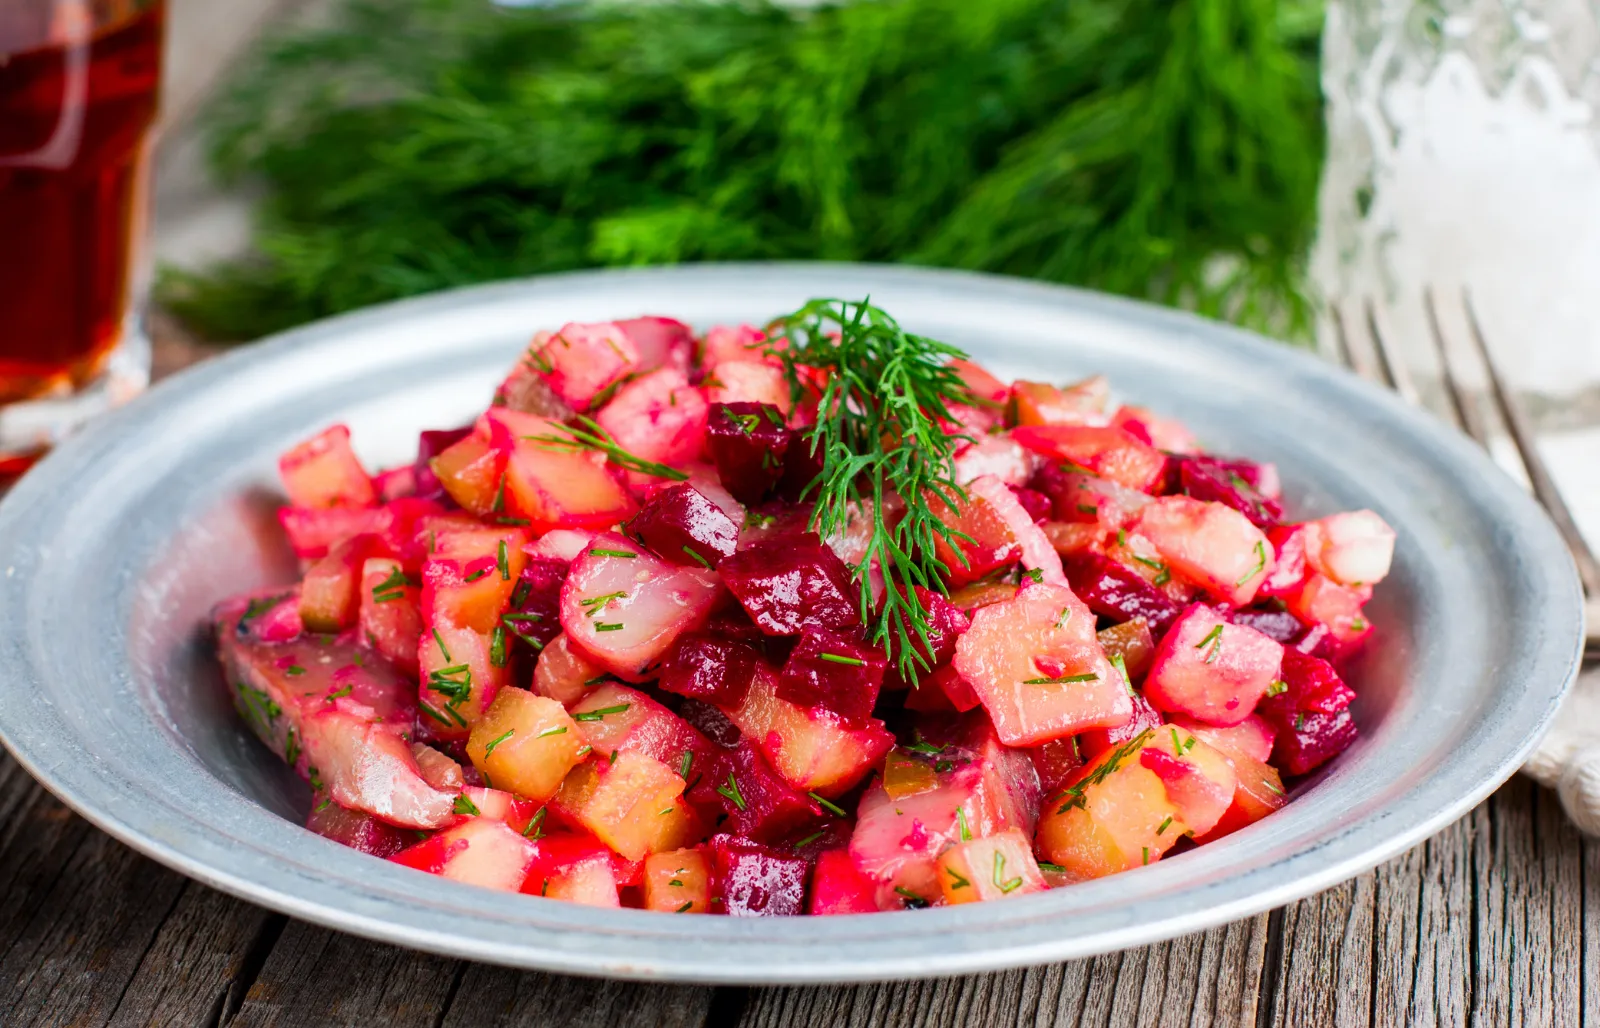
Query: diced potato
column 526, row 744
column 811, row 749
column 478, row 851
column 473, row 472
column 1209, row 544
column 634, row 805
column 330, row 596
column 323, row 472
column 1211, row 670
column 576, row 868
column 1037, row 666
column 678, row 882
column 989, row 869
column 1106, row 451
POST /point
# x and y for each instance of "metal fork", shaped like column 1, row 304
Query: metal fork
column 1383, row 365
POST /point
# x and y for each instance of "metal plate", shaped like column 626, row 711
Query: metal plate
column 115, row 547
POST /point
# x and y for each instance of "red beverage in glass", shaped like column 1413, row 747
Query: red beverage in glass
column 78, row 90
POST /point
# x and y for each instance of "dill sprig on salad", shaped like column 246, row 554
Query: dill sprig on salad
column 824, row 608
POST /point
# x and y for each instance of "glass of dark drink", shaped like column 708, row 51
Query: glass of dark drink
column 78, row 90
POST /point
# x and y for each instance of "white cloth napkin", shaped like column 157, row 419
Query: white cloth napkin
column 1568, row 760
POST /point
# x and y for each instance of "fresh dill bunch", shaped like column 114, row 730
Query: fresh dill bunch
column 879, row 436
column 1165, row 149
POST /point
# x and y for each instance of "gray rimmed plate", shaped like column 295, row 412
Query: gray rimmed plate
column 113, row 550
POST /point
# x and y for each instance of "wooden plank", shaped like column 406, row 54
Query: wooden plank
column 495, row 996
column 202, row 962
column 1204, row 979
column 1422, row 960
column 78, row 910
column 1591, row 933
column 1529, row 911
column 1326, row 970
column 318, row 977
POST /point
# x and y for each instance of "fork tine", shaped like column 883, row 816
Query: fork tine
column 1544, row 486
column 1467, row 415
column 1394, row 369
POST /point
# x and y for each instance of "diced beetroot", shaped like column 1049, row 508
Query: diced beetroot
column 324, row 472
column 429, row 445
column 1210, row 480
column 793, row 584
column 997, row 455
column 535, row 615
column 957, row 690
column 1289, row 568
column 661, row 342
column 831, row 671
column 1034, row 548
column 802, row 467
column 1035, row 663
column 1209, row 544
column 748, row 443
column 1106, row 451
column 1308, row 709
column 1354, row 549
column 711, row 668
column 709, row 722
column 479, row 851
column 1114, row 591
column 837, row 887
column 1310, row 740
column 1037, row 504
column 626, row 608
column 1278, row 625
column 355, row 828
column 658, row 416
column 1211, row 670
column 581, row 360
column 758, row 802
column 748, row 381
column 1308, row 684
column 1098, row 740
column 683, row 527
column 755, row 881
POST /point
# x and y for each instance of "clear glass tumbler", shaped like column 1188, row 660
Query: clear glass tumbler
column 79, row 81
